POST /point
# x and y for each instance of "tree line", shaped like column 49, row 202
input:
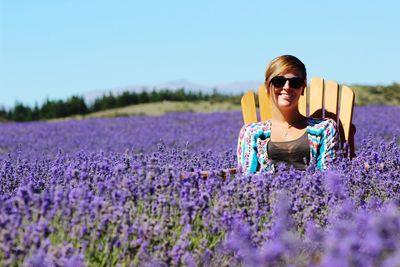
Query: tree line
column 76, row 105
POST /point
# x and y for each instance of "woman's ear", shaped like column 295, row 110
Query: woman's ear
column 267, row 89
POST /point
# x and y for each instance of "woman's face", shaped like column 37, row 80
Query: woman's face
column 287, row 96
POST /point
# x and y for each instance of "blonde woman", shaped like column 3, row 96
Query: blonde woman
column 289, row 137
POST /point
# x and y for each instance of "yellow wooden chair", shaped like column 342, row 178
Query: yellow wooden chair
column 320, row 100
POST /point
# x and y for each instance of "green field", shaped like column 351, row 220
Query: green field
column 159, row 108
column 377, row 95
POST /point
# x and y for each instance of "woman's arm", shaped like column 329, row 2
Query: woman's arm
column 240, row 147
column 329, row 145
column 247, row 148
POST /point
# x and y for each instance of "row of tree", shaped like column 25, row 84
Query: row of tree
column 76, row 105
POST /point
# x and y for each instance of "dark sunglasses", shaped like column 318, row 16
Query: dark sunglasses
column 295, row 82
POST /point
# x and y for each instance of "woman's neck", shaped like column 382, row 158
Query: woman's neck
column 290, row 117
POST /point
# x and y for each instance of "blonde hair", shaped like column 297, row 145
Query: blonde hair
column 282, row 64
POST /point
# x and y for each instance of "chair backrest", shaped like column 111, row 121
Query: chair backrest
column 320, row 100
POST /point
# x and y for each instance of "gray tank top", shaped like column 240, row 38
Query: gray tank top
column 295, row 152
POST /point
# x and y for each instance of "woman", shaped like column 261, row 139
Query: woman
column 289, row 137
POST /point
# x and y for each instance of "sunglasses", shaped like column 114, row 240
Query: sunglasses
column 280, row 81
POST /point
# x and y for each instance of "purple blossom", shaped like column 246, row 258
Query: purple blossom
column 71, row 193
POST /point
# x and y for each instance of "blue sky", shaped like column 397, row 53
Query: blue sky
column 57, row 49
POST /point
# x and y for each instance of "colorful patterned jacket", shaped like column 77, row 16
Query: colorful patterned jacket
column 254, row 137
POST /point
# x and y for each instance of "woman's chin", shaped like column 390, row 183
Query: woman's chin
column 285, row 103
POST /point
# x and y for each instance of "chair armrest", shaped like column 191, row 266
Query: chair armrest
column 204, row 174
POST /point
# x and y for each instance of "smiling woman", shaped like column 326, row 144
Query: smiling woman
column 289, row 137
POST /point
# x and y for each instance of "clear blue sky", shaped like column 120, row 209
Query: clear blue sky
column 59, row 48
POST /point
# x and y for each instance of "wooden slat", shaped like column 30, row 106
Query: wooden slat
column 265, row 104
column 249, row 107
column 346, row 110
column 316, row 94
column 303, row 103
column 331, row 97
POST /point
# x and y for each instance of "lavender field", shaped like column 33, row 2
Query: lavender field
column 118, row 192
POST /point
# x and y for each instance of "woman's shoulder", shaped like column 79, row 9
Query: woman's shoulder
column 255, row 129
column 257, row 126
column 319, row 124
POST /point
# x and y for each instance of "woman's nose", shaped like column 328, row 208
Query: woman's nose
column 286, row 85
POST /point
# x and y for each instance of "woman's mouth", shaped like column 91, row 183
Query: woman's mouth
column 286, row 96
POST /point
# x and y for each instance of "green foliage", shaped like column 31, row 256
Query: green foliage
column 50, row 109
column 76, row 105
column 3, row 114
column 377, row 95
column 22, row 113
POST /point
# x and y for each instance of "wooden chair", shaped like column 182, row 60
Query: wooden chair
column 320, row 100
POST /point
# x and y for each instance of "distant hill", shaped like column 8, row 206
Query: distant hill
column 378, row 94
column 157, row 109
column 234, row 88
